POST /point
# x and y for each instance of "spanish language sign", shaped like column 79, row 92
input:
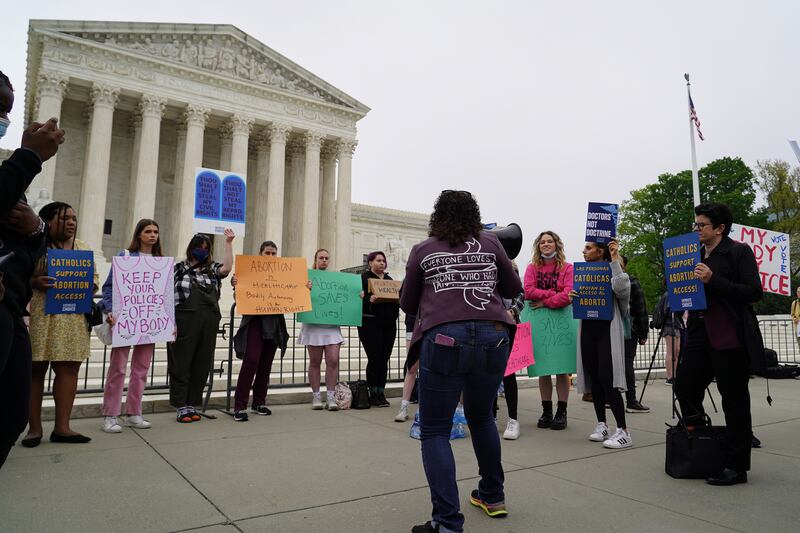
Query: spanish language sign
column 592, row 282
column 521, row 354
column 555, row 340
column 143, row 300
column 269, row 285
column 771, row 249
column 601, row 222
column 73, row 289
column 335, row 299
column 685, row 290
column 219, row 201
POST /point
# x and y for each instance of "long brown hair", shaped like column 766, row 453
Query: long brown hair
column 136, row 242
column 560, row 258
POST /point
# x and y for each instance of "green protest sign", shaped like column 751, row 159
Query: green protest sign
column 555, row 339
column 335, row 299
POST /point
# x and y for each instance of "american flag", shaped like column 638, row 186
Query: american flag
column 693, row 117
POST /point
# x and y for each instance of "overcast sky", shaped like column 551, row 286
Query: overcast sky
column 535, row 107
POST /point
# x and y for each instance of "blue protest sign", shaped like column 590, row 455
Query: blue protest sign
column 73, row 271
column 220, row 201
column 592, row 282
column 207, row 195
column 601, row 222
column 681, row 255
column 234, row 195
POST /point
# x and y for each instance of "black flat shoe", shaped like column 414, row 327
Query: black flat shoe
column 755, row 442
column 32, row 442
column 727, row 477
column 69, row 439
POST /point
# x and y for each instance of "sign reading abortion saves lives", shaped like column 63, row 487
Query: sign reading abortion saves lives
column 601, row 222
column 335, row 299
column 685, row 290
column 143, row 300
column 219, row 201
column 772, row 255
column 72, row 291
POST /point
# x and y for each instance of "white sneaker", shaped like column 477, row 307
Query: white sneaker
column 316, row 404
column 110, row 425
column 512, row 430
column 402, row 414
column 620, row 439
column 600, row 433
column 137, row 421
column 332, row 405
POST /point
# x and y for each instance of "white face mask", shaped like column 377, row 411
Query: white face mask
column 549, row 256
column 4, row 124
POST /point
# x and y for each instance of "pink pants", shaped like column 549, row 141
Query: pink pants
column 115, row 380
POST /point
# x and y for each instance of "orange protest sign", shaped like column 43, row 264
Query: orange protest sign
column 268, row 285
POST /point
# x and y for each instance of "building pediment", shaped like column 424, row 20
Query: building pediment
column 222, row 49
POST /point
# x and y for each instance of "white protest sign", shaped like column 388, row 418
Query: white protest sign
column 143, row 300
column 771, row 249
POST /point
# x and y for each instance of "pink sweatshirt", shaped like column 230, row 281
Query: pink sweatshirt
column 548, row 285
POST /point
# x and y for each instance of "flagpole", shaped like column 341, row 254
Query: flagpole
column 695, row 178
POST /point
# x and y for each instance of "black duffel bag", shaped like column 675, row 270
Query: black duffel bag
column 360, row 392
column 694, row 448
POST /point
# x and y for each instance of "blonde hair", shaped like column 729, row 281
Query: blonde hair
column 560, row 258
column 314, row 265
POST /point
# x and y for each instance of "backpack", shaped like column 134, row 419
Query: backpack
column 660, row 313
column 343, row 395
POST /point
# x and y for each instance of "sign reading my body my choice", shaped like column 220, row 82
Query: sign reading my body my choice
column 592, row 282
column 601, row 222
column 681, row 255
column 219, row 201
column 335, row 299
column 73, row 289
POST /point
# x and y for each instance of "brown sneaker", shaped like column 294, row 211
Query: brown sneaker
column 587, row 397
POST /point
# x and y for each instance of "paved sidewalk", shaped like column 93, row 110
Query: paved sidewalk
column 357, row 471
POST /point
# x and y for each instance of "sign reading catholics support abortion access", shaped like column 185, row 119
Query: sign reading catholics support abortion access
column 73, row 271
column 771, row 249
column 685, row 291
column 269, row 285
column 601, row 222
column 220, row 199
column 592, row 282
column 555, row 340
column 335, row 299
column 143, row 300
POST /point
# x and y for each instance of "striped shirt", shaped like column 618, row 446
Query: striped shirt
column 185, row 277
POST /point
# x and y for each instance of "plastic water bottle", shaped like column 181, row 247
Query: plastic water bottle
column 414, row 432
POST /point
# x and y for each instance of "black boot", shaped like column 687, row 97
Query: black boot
column 547, row 415
column 560, row 420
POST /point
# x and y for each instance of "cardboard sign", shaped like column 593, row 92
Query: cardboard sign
column 592, row 282
column 74, row 285
column 269, row 285
column 385, row 290
column 771, row 249
column 601, row 222
column 521, row 354
column 143, row 300
column 681, row 255
column 555, row 340
column 335, row 299
column 220, row 201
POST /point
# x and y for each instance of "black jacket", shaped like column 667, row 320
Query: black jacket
column 639, row 316
column 387, row 311
column 16, row 173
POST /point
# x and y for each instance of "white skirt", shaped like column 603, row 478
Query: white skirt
column 320, row 335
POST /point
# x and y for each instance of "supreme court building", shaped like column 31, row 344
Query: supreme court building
column 145, row 104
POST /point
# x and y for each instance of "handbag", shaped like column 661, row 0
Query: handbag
column 343, row 395
column 360, row 394
column 94, row 317
column 694, row 450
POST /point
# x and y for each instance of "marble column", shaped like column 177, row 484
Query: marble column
column 225, row 146
column 50, row 89
column 195, row 117
column 310, row 197
column 240, row 127
column 327, row 216
column 344, row 230
column 142, row 193
column 170, row 243
column 294, row 200
column 94, row 182
column 278, row 135
column 257, row 226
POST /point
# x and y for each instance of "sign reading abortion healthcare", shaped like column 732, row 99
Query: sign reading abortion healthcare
column 681, row 255
column 268, row 285
column 592, row 282
column 219, row 201
column 772, row 255
column 143, row 300
column 601, row 222
column 335, row 299
column 73, row 271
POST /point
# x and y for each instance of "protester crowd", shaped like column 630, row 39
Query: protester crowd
column 459, row 333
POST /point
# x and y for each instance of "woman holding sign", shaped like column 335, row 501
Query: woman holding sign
column 601, row 351
column 378, row 330
column 60, row 342
column 198, row 281
column 145, row 241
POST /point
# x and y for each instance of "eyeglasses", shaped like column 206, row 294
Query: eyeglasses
column 701, row 225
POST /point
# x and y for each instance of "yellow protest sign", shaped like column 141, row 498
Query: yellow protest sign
column 268, row 285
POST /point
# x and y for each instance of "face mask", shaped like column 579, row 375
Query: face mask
column 4, row 123
column 200, row 254
column 549, row 256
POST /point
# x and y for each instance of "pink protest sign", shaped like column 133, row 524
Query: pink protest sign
column 522, row 350
column 143, row 300
column 771, row 249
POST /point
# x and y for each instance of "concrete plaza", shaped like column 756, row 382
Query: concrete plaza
column 358, row 471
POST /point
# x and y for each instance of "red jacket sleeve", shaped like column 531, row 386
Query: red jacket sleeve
column 561, row 298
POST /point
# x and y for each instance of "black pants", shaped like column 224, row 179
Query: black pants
column 512, row 395
column 378, row 336
column 596, row 356
column 15, row 379
column 699, row 365
column 630, row 373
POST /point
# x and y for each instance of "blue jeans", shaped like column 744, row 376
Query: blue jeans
column 475, row 365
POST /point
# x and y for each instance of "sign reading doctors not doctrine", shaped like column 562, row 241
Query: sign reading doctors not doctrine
column 268, row 285
column 601, row 222
column 685, row 291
